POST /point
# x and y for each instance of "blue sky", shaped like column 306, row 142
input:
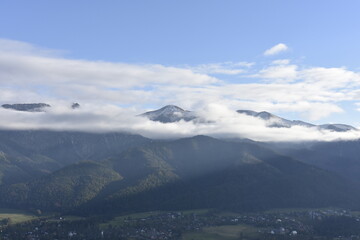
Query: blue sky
column 325, row 32
column 172, row 37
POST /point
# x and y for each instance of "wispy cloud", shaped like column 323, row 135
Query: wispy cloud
column 23, row 48
column 225, row 68
column 281, row 47
column 279, row 73
column 281, row 62
column 24, row 68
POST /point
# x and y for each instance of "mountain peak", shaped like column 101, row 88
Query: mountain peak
column 171, row 108
column 169, row 113
column 265, row 115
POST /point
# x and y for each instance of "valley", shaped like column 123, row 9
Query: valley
column 179, row 120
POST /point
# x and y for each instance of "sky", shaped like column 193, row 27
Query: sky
column 297, row 59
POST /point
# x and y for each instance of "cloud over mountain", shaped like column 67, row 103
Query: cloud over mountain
column 214, row 120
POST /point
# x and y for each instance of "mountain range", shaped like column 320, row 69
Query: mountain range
column 138, row 174
column 172, row 113
column 116, row 173
column 27, row 107
column 276, row 121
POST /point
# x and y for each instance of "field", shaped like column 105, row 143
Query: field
column 69, row 218
column 195, row 211
column 16, row 216
column 118, row 221
column 229, row 232
column 292, row 210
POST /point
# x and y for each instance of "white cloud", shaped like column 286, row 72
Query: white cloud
column 281, row 47
column 281, row 62
column 225, row 68
column 330, row 78
column 52, row 71
column 279, row 73
column 38, row 77
column 23, row 48
column 310, row 102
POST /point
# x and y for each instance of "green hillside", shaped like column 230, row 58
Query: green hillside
column 189, row 173
column 61, row 190
column 26, row 155
column 206, row 172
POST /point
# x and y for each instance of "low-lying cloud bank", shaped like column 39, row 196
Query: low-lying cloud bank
column 217, row 121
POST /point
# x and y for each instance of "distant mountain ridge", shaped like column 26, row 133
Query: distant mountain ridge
column 33, row 107
column 276, row 121
column 172, row 113
column 27, row 107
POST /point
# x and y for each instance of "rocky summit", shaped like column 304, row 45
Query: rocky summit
column 169, row 113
